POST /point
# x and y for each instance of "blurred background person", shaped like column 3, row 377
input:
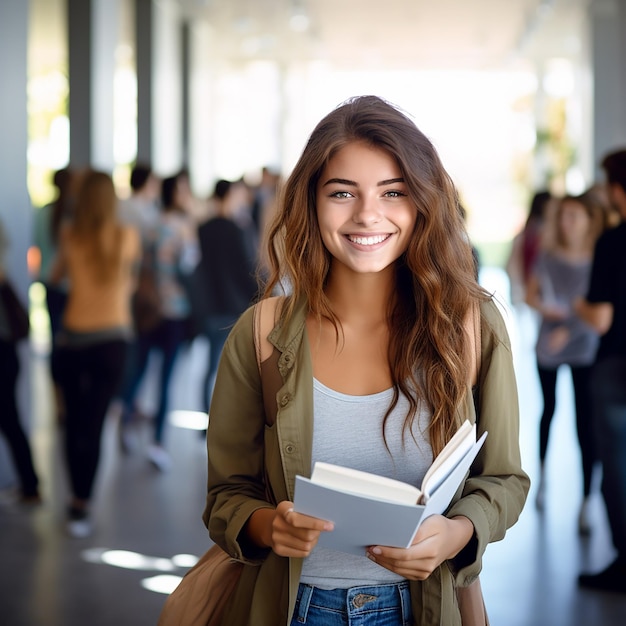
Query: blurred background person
column 98, row 255
column 175, row 254
column 604, row 308
column 141, row 210
column 525, row 246
column 48, row 221
column 10, row 423
column 559, row 276
column 228, row 269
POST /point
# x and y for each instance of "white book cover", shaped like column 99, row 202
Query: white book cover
column 364, row 520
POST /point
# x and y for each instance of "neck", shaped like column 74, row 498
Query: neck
column 360, row 297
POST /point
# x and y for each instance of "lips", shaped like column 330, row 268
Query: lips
column 371, row 240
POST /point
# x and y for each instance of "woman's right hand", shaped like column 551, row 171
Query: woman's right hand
column 294, row 534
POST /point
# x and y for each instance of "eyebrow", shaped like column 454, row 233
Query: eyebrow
column 345, row 181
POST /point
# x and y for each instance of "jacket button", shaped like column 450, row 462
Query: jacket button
column 284, row 401
column 290, row 448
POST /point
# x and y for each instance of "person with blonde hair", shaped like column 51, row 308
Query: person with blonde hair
column 375, row 357
column 98, row 255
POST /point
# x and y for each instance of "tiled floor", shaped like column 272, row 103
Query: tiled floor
column 148, row 523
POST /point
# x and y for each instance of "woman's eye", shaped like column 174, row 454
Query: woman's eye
column 394, row 194
column 341, row 194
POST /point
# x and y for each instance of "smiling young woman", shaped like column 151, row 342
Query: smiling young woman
column 375, row 358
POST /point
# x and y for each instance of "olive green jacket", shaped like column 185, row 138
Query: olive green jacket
column 252, row 465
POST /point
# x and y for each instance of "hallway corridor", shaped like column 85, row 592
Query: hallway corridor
column 148, row 524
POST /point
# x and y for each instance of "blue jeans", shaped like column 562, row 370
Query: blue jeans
column 383, row 605
column 166, row 338
column 609, row 394
column 216, row 330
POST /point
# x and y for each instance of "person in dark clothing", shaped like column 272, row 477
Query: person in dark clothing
column 605, row 310
column 229, row 252
column 10, row 424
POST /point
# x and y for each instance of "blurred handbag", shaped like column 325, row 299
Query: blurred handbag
column 472, row 605
column 146, row 300
column 204, row 591
column 15, row 312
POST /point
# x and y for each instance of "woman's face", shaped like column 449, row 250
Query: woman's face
column 365, row 215
column 574, row 222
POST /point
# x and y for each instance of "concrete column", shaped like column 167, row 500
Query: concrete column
column 608, row 50
column 93, row 37
column 167, row 154
column 80, row 110
column 201, row 110
column 106, row 36
column 144, row 26
column 15, row 208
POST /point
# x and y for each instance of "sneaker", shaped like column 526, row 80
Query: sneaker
column 613, row 578
column 78, row 523
column 584, row 518
column 159, row 458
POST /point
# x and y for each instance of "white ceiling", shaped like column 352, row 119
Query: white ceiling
column 358, row 34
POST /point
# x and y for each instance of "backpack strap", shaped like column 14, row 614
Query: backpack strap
column 264, row 317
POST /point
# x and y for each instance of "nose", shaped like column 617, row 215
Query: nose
column 367, row 211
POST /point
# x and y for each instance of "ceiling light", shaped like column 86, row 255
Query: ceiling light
column 299, row 22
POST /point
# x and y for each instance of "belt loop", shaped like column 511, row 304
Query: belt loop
column 405, row 603
column 304, row 602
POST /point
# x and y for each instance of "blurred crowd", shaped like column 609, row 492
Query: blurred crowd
column 126, row 278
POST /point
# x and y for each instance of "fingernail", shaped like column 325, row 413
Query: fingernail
column 376, row 550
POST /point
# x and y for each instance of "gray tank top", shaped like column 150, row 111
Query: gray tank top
column 348, row 431
column 561, row 282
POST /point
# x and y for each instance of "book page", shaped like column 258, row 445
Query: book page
column 458, row 446
column 364, row 483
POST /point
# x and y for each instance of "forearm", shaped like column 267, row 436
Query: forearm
column 258, row 530
column 598, row 315
column 461, row 533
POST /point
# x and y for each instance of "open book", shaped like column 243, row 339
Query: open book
column 374, row 510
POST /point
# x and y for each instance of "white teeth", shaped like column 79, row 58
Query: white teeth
column 367, row 241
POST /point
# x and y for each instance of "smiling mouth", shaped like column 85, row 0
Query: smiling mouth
column 367, row 241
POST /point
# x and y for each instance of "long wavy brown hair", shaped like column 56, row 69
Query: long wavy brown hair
column 94, row 224
column 428, row 353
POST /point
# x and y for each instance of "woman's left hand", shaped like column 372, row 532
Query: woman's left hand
column 437, row 540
